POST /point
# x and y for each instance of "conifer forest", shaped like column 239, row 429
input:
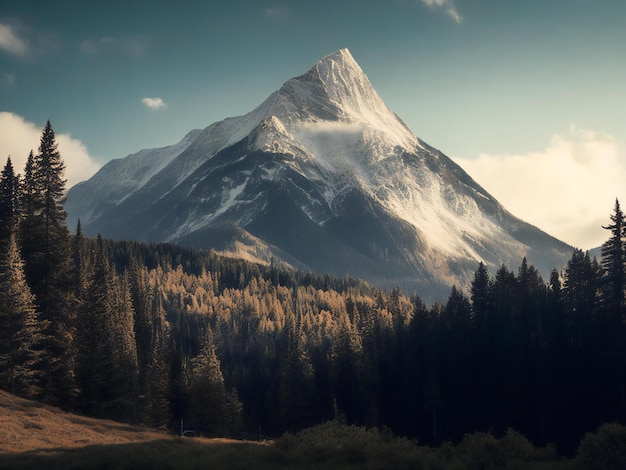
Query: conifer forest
column 159, row 333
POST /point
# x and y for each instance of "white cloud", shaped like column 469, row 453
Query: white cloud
column 567, row 189
column 18, row 137
column 11, row 42
column 154, row 103
column 448, row 5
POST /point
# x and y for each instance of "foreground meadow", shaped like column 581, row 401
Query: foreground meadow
column 33, row 435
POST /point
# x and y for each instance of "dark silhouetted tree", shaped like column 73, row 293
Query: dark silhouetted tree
column 211, row 406
column 9, row 202
column 45, row 248
column 613, row 266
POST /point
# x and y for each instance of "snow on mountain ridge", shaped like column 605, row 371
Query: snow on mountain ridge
column 323, row 171
column 348, row 87
column 335, row 95
column 333, row 117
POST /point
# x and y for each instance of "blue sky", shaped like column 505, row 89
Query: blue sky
column 529, row 96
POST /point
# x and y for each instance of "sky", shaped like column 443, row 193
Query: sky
column 528, row 96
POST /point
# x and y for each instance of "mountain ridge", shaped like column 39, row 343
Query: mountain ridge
column 324, row 172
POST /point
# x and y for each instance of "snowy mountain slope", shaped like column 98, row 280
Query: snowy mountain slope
column 323, row 174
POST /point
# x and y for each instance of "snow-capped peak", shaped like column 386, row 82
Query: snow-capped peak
column 347, row 86
column 325, row 172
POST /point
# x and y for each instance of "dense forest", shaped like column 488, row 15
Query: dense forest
column 159, row 333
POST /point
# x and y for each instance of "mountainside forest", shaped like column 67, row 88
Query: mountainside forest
column 159, row 333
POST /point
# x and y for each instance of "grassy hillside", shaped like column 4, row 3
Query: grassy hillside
column 31, row 426
column 33, row 435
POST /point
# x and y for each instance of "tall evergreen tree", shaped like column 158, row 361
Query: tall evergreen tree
column 582, row 278
column 613, row 259
column 48, row 244
column 611, row 312
column 144, row 308
column 348, row 370
column 156, row 385
column 480, row 294
column 29, row 198
column 9, row 202
column 296, row 378
column 211, row 405
column 79, row 263
column 20, row 332
column 94, row 337
column 106, row 363
column 45, row 249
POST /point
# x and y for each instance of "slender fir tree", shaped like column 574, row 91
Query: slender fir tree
column 157, row 376
column 20, row 332
column 45, row 249
column 9, row 202
column 480, row 294
column 613, row 259
column 211, row 405
column 106, row 362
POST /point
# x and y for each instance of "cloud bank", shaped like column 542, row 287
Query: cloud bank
column 154, row 103
column 449, row 7
column 567, row 189
column 18, row 137
column 10, row 42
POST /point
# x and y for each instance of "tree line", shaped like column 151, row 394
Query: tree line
column 156, row 333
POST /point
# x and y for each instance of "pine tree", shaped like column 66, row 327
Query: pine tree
column 28, row 227
column 611, row 312
column 457, row 312
column 211, row 405
column 480, row 294
column 79, row 263
column 144, row 322
column 94, row 337
column 582, row 277
column 157, row 375
column 9, row 202
column 20, row 332
column 348, row 370
column 106, row 363
column 44, row 191
column 45, row 248
column 124, row 376
column 613, row 259
column 296, row 378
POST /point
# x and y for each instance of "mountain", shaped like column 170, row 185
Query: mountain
column 323, row 176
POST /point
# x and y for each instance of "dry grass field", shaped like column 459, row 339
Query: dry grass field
column 27, row 426
column 35, row 435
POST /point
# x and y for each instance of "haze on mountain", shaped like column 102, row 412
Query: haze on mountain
column 324, row 177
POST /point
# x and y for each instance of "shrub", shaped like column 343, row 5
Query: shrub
column 333, row 444
column 604, row 449
column 484, row 451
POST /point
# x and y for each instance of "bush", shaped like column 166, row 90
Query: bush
column 604, row 449
column 484, row 451
column 333, row 444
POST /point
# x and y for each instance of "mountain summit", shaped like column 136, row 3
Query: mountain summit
column 323, row 176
